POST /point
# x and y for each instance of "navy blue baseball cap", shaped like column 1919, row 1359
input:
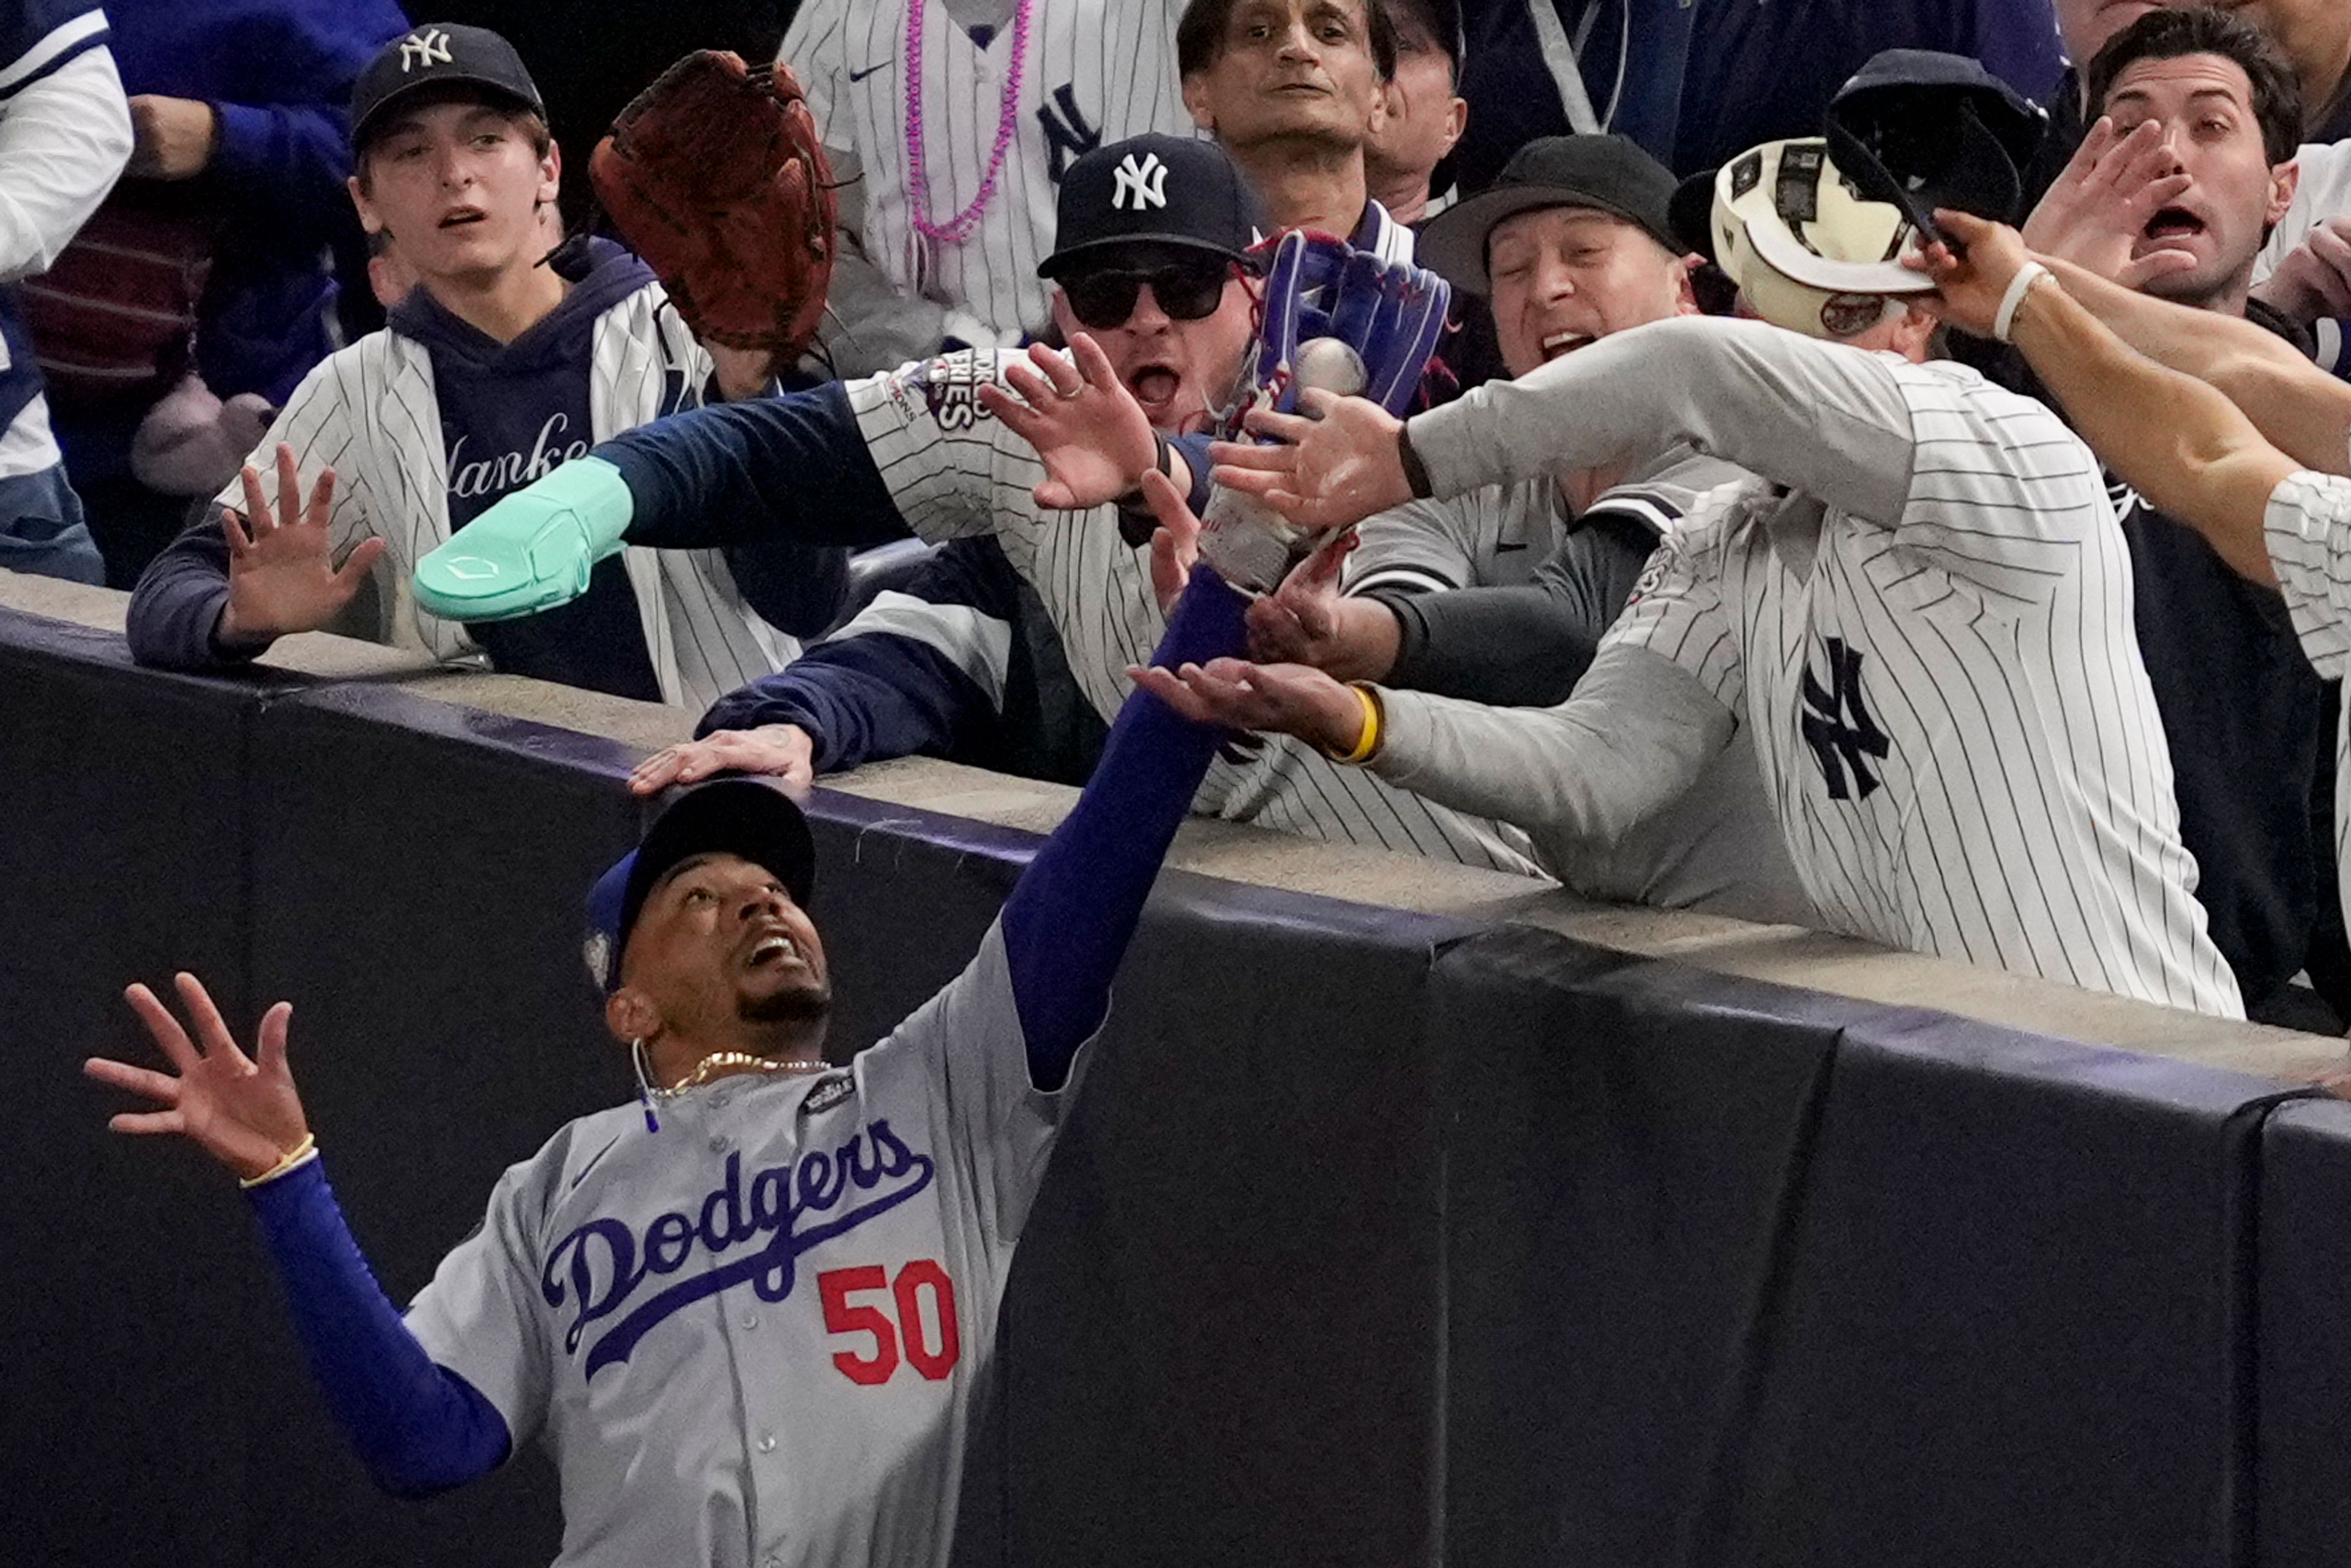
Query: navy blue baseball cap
column 1923, row 129
column 1153, row 190
column 439, row 54
column 746, row 816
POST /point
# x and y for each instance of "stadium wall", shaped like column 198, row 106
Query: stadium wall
column 1408, row 1218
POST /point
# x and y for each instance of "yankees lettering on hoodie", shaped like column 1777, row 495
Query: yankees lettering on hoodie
column 510, row 414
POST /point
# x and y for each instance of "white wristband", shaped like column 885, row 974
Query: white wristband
column 2031, row 273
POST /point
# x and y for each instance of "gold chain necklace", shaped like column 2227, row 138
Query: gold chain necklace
column 718, row 1061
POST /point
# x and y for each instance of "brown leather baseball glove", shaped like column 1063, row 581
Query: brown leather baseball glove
column 714, row 175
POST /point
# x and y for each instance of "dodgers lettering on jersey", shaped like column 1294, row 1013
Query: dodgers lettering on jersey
column 755, row 1335
column 956, row 471
column 1095, row 72
column 2307, row 530
column 1948, row 706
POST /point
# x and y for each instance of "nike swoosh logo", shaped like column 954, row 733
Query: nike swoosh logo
column 869, row 70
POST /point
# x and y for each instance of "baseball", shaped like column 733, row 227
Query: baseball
column 1328, row 363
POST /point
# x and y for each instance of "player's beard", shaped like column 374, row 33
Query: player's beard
column 810, row 1003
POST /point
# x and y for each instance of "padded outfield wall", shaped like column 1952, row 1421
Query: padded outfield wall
column 1401, row 1232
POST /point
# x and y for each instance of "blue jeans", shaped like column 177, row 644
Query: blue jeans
column 41, row 530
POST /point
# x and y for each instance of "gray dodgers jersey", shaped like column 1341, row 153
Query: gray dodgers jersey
column 752, row 1339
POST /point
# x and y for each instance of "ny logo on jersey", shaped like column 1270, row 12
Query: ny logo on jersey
column 426, row 47
column 1146, row 181
column 1067, row 134
column 1838, row 727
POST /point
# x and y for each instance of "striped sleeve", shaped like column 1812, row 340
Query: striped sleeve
column 36, row 37
column 1418, row 547
column 1677, row 611
column 952, row 468
column 813, row 48
column 2001, row 493
column 318, row 423
column 2307, row 528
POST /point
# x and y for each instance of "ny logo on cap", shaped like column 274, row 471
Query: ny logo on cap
column 429, row 46
column 1146, row 181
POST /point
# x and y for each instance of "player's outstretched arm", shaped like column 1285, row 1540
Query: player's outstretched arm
column 794, row 467
column 1817, row 417
column 419, row 1427
column 1068, row 923
column 2180, row 443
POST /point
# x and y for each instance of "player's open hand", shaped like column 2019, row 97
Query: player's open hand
column 282, row 576
column 783, row 751
column 1336, row 464
column 1971, row 287
column 1281, row 699
column 243, row 1111
column 1091, row 435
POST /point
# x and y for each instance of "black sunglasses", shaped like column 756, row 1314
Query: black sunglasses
column 1186, row 291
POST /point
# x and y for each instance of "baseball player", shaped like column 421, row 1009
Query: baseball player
column 950, row 124
column 1919, row 613
column 494, row 371
column 925, row 449
column 68, row 135
column 747, row 1316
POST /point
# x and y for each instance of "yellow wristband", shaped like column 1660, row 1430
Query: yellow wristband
column 1367, row 743
column 301, row 1153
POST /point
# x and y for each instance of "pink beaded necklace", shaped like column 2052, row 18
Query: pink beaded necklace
column 957, row 229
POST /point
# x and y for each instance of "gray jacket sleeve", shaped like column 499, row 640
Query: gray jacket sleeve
column 1633, row 739
column 1821, row 418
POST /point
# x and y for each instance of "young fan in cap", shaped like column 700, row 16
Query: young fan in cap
column 941, row 449
column 1918, row 613
column 748, row 1316
column 501, row 365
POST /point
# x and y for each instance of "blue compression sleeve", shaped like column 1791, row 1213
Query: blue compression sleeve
column 1068, row 923
column 419, row 1427
column 794, row 467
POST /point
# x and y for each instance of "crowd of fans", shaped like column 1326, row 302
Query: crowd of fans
column 298, row 321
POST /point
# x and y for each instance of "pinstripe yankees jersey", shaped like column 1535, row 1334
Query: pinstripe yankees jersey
column 2307, row 528
column 1925, row 628
column 952, row 470
column 1095, row 72
column 369, row 412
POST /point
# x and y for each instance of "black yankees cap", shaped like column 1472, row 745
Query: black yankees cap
column 1607, row 174
column 1153, row 190
column 438, row 54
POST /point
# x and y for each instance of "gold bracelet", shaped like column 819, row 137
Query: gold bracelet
column 301, row 1153
column 1367, row 743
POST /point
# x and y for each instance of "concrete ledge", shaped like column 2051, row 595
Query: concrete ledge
column 1781, row 955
